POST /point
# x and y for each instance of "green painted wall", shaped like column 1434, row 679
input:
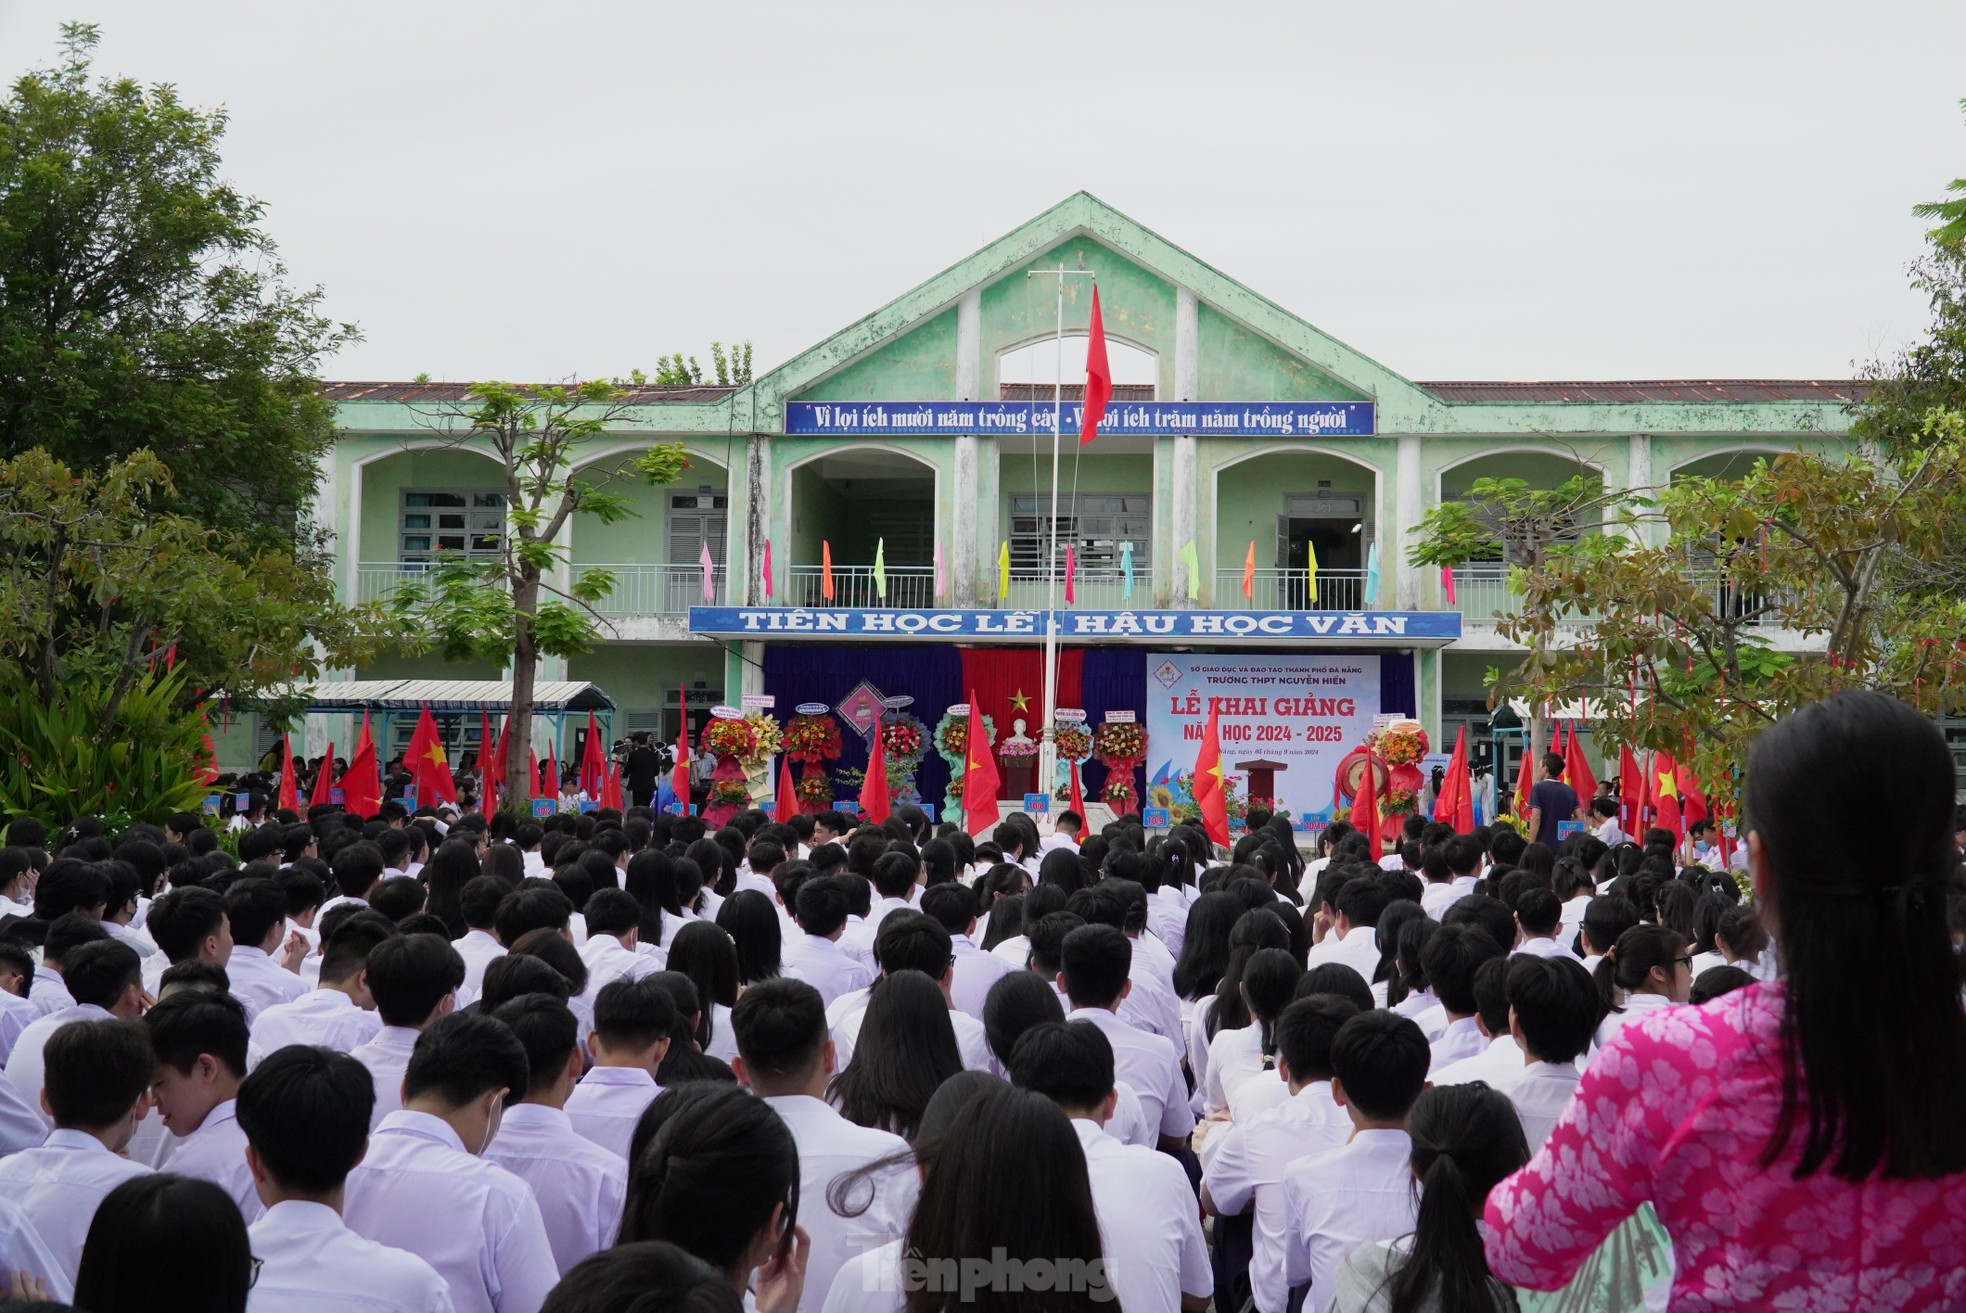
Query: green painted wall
column 1239, row 365
column 383, row 480
column 642, row 677
column 920, row 365
column 1136, row 304
column 1250, row 496
column 640, row 539
column 816, row 510
column 1542, row 469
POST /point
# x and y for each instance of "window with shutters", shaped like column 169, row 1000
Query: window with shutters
column 467, row 522
column 696, row 518
column 1095, row 524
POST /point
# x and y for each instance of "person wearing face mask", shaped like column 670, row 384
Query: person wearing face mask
column 425, row 1188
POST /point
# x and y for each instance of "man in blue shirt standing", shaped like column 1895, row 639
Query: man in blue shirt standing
column 1551, row 802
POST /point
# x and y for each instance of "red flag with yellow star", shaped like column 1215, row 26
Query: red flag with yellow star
column 430, row 769
column 980, row 778
column 1663, row 790
column 1211, row 796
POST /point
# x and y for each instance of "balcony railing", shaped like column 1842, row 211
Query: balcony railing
column 1481, row 593
column 908, row 586
column 1104, row 591
column 638, row 589
column 1290, row 590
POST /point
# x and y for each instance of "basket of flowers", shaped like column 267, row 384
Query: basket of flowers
column 1120, row 743
column 729, row 737
column 904, row 737
column 952, row 738
column 729, row 793
column 812, row 738
column 766, row 737
column 1118, row 791
column 1012, row 748
column 815, row 790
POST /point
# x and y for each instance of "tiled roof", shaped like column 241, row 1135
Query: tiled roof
column 1071, row 391
column 645, row 394
column 1827, row 391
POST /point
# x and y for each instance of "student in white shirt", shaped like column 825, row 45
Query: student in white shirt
column 1464, row 1142
column 200, row 1039
column 256, row 910
column 341, row 1014
column 1094, row 961
column 1539, row 917
column 579, row 1185
column 305, row 1114
column 910, row 942
column 16, row 1012
column 1354, row 936
column 1500, row 1061
column 1463, row 856
column 165, row 1244
column 479, row 947
column 896, row 878
column 785, row 1057
column 614, row 921
column 1450, row 959
column 188, row 924
column 632, row 1021
column 357, row 871
column 423, row 1185
column 97, row 1090
column 1339, row 1199
column 1247, row 1159
column 1651, row 968
column 721, row 1181
column 953, row 906
column 105, row 980
column 815, row 955
column 704, row 952
column 1604, row 822
column 1240, row 1054
column 1156, row 1258
column 1553, row 1015
column 414, row 980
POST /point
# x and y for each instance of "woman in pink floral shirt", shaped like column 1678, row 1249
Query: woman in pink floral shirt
column 1802, row 1141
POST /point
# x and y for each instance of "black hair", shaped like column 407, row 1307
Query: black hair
column 193, row 1022
column 1338, row 979
column 1637, row 951
column 642, row 1278
column 182, row 919
column 463, row 1057
column 703, row 951
column 780, row 1027
column 1305, row 1031
column 510, row 977
column 1015, row 1003
column 1605, row 918
column 449, row 871
column 1715, row 981
column 711, row 1175
column 1741, row 930
column 1451, row 958
column 254, row 907
column 409, row 975
column 1555, row 1004
column 1466, row 1139
column 906, row 1047
column 1539, row 910
column 356, row 868
column 478, row 902
column 1095, row 960
column 1381, row 1059
column 1256, row 929
column 612, row 911
column 1205, row 944
column 546, row 1029
column 910, row 941
column 1492, row 915
column 95, row 1071
column 557, row 951
column 306, row 1112
column 952, row 905
column 752, row 923
column 633, row 1014
column 534, row 905
column 1269, row 981
column 99, row 972
column 1069, row 1062
column 824, row 903
column 193, row 974
column 1491, row 995
column 163, row 1243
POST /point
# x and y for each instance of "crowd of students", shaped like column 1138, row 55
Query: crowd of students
column 614, row 1063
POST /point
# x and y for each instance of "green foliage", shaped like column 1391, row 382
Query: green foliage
column 674, row 371
column 143, row 306
column 734, row 369
column 730, row 368
column 1950, row 213
column 139, row 760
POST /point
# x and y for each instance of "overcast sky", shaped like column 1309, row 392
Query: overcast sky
column 1459, row 190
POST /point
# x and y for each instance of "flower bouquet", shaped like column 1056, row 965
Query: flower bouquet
column 1120, row 744
column 728, row 793
column 1400, row 744
column 1119, row 791
column 729, row 737
column 1072, row 741
column 812, row 738
column 816, row 791
column 1028, row 748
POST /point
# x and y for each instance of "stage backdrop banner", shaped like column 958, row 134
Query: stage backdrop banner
column 1300, row 713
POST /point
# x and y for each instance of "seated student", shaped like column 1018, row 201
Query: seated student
column 341, row 1014
column 305, row 1115
column 188, row 925
column 357, row 870
column 614, row 921
column 97, row 1090
column 632, row 1021
column 1246, row 1162
column 909, row 941
column 1552, row 1014
column 200, row 1041
column 257, row 912
column 814, row 955
column 785, row 1057
column 1353, row 937
column 1146, row 1211
column 47, row 994
column 16, row 1011
column 1463, row 856
column 1651, row 968
column 1539, row 916
column 579, row 1185
column 1337, row 1200
column 478, row 903
column 105, row 978
column 1452, row 956
column 1093, row 969
column 414, row 980
column 650, row 1274
column 424, row 1187
column 1500, row 1063
column 1465, row 1141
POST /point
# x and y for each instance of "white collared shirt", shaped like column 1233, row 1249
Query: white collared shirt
column 972, row 1041
column 1014, row 951
column 1148, row 1227
column 824, row 965
column 1437, row 898
column 387, row 1057
column 1234, row 1056
column 479, row 949
column 1500, row 1064
column 1545, row 946
column 216, row 1152
column 975, row 971
column 59, row 1186
column 1358, row 949
column 27, row 1252
column 312, row 1263
column 579, row 1185
column 1636, row 1006
column 472, row 1220
column 607, row 961
column 1423, row 1009
column 21, row 1124
column 1248, row 1166
column 27, row 1065
column 323, row 1018
column 48, row 993
column 1336, row 1201
column 1151, row 1065
column 863, row 934
column 608, row 1102
column 1540, row 1094
column 16, row 1015
column 829, row 1146
column 259, row 982
column 1461, row 1039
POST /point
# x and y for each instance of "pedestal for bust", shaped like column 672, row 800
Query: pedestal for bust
column 1020, row 776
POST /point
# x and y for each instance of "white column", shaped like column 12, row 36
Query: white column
column 1408, row 506
column 1186, row 474
column 1638, row 474
column 1187, row 359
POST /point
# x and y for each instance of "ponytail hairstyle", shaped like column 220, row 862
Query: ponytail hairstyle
column 1742, row 932
column 1571, row 879
column 1413, row 937
column 1269, row 983
column 707, row 1179
column 1676, row 904
column 1466, row 1139
column 1632, row 958
column 1396, row 915
column 1255, row 929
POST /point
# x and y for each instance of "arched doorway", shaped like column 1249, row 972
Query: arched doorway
column 855, row 504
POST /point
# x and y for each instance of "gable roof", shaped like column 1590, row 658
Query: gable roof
column 1751, row 390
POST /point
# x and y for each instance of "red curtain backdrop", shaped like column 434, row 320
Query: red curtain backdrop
column 994, row 674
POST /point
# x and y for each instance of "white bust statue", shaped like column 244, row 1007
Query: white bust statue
column 1017, row 733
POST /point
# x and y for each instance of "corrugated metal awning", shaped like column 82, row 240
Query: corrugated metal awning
column 550, row 697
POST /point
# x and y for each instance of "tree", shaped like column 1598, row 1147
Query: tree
column 143, row 307
column 732, row 368
column 1950, row 213
column 505, row 607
